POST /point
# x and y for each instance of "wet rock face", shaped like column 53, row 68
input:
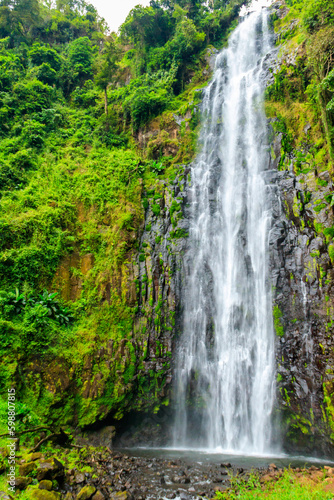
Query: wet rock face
column 158, row 320
column 162, row 245
column 302, row 276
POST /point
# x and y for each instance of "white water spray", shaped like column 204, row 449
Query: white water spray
column 225, row 365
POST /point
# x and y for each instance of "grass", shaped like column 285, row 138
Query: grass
column 290, row 486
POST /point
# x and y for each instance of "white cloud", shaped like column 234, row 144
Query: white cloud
column 115, row 11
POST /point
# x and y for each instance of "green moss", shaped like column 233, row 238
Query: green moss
column 145, row 203
column 318, row 227
column 178, row 233
column 329, row 407
column 297, row 207
column 175, row 207
column 319, row 207
column 299, row 425
column 156, row 209
column 277, row 316
column 331, row 252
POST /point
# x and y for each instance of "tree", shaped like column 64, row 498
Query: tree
column 187, row 40
column 107, row 66
column 10, row 67
column 40, row 54
column 77, row 67
column 18, row 17
column 147, row 26
column 318, row 13
column 321, row 60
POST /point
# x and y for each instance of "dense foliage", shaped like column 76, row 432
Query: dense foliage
column 73, row 98
column 58, row 66
column 310, row 78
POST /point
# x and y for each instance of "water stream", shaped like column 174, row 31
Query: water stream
column 225, row 364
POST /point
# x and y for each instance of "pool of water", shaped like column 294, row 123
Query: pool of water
column 222, row 456
column 192, row 474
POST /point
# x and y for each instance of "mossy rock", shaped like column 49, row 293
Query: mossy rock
column 68, row 496
column 34, row 456
column 45, row 484
column 98, row 496
column 26, row 468
column 50, row 469
column 44, row 495
column 120, row 495
column 86, row 492
column 22, row 482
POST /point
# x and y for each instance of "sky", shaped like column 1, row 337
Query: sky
column 115, row 11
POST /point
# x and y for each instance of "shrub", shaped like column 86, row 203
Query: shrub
column 156, row 209
column 33, row 133
column 318, row 13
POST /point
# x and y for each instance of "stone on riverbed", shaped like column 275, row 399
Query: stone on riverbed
column 86, row 492
column 45, row 484
column 50, row 469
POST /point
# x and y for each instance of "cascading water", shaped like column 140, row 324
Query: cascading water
column 225, row 365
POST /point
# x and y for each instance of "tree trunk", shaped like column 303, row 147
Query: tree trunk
column 105, row 101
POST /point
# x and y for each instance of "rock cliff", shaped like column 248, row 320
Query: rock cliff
column 302, row 277
column 301, row 251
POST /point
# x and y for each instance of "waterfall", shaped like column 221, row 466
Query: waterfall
column 225, row 360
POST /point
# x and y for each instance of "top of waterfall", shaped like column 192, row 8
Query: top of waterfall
column 255, row 5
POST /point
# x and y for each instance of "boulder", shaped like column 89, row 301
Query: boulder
column 86, row 492
column 184, row 496
column 45, row 495
column 121, row 495
column 34, row 456
column 98, row 496
column 22, row 482
column 45, row 484
column 102, row 437
column 26, row 468
column 266, row 478
column 329, row 470
column 79, row 477
column 50, row 469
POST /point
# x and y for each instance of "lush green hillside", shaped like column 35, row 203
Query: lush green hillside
column 303, row 89
column 75, row 181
